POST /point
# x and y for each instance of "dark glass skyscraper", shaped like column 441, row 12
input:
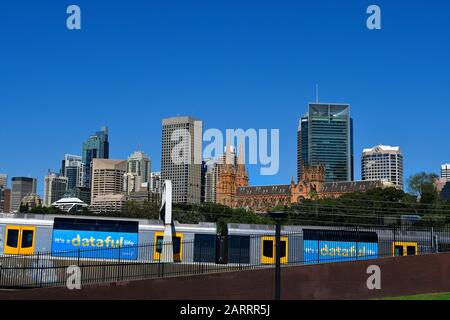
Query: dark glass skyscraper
column 97, row 146
column 325, row 137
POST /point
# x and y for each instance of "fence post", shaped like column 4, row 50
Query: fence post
column 118, row 267
column 39, row 270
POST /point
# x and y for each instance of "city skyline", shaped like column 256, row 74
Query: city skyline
column 185, row 62
column 355, row 161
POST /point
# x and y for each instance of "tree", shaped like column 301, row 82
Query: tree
column 417, row 182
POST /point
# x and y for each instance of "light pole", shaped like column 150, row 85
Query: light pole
column 278, row 216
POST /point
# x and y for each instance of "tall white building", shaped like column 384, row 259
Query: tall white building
column 383, row 163
column 181, row 158
column 54, row 188
column 445, row 172
column 138, row 172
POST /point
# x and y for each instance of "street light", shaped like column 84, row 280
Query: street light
column 278, row 216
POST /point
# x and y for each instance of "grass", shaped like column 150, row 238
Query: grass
column 431, row 296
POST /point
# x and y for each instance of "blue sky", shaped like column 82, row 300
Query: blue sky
column 233, row 64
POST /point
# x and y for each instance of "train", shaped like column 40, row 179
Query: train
column 141, row 240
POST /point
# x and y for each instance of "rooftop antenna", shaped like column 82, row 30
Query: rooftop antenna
column 317, row 93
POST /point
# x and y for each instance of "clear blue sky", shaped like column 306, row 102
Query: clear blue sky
column 234, row 64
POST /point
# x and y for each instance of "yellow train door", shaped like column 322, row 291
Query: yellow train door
column 19, row 240
column 403, row 249
column 268, row 250
column 177, row 243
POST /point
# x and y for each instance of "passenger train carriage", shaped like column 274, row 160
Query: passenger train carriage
column 139, row 239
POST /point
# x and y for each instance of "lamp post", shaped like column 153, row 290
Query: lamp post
column 278, row 216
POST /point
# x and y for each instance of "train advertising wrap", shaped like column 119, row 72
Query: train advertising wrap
column 332, row 251
column 321, row 246
column 95, row 239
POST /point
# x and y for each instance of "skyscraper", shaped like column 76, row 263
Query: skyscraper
column 55, row 186
column 155, row 182
column 73, row 168
column 97, row 146
column 107, row 184
column 445, row 172
column 181, row 158
column 138, row 172
column 383, row 163
column 21, row 187
column 5, row 199
column 3, row 180
column 325, row 137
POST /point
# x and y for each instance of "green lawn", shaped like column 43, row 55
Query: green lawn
column 431, row 296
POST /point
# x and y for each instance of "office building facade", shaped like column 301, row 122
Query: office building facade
column 107, row 183
column 181, row 158
column 55, row 187
column 445, row 172
column 3, row 180
column 5, row 199
column 138, row 172
column 383, row 163
column 97, row 146
column 325, row 137
column 73, row 168
column 21, row 187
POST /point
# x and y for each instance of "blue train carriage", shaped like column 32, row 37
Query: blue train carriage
column 324, row 245
column 95, row 238
column 255, row 244
column 25, row 234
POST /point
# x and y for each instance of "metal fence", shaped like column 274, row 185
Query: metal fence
column 313, row 245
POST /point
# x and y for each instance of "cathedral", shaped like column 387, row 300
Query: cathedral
column 233, row 189
column 231, row 177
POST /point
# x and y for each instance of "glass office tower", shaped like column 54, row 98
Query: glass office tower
column 325, row 137
column 97, row 146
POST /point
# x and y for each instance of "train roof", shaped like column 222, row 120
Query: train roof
column 47, row 220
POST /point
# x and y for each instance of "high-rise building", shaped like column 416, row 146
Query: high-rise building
column 55, row 187
column 96, row 147
column 383, row 163
column 3, row 180
column 181, row 158
column 155, row 182
column 5, row 199
column 21, row 187
column 325, row 137
column 138, row 172
column 445, row 172
column 107, row 183
column 73, row 168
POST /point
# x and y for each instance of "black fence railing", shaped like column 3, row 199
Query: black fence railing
column 312, row 245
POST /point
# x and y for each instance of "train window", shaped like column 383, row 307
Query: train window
column 283, row 249
column 398, row 251
column 268, row 248
column 159, row 241
column 12, row 238
column 411, row 251
column 27, row 238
